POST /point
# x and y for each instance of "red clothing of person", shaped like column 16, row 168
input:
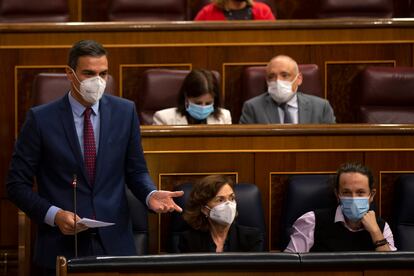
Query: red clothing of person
column 260, row 11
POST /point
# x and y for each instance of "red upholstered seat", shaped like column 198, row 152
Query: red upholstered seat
column 355, row 8
column 147, row 10
column 386, row 95
column 51, row 86
column 160, row 90
column 34, row 11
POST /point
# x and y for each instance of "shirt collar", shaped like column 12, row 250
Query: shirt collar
column 339, row 217
column 293, row 102
column 78, row 108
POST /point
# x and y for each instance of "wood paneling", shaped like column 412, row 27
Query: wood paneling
column 274, row 153
column 338, row 47
column 8, row 230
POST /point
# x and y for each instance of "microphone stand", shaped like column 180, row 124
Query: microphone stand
column 74, row 183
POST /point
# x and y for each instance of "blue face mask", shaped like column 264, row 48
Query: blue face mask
column 354, row 208
column 199, row 112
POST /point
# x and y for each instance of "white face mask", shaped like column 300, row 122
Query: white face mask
column 91, row 89
column 223, row 213
column 281, row 91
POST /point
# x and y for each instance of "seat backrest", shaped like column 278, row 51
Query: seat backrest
column 144, row 10
column 305, row 193
column 254, row 83
column 385, row 95
column 34, row 11
column 160, row 90
column 411, row 8
column 403, row 218
column 249, row 211
column 139, row 218
column 51, row 86
column 355, row 8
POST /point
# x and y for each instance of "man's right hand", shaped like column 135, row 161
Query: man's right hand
column 66, row 222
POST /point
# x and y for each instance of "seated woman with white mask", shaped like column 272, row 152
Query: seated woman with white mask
column 198, row 103
column 211, row 212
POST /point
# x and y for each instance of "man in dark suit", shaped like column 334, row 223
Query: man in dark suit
column 95, row 139
column 282, row 103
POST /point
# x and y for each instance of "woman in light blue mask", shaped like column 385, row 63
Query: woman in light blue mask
column 351, row 226
column 198, row 102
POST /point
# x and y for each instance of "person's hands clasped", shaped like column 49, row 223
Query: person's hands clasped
column 66, row 223
column 369, row 221
column 162, row 201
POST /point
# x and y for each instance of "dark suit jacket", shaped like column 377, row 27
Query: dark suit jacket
column 239, row 239
column 263, row 109
column 48, row 149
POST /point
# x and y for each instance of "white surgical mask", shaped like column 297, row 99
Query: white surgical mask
column 223, row 213
column 91, row 89
column 280, row 90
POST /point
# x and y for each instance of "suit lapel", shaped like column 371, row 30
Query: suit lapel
column 271, row 110
column 66, row 117
column 105, row 117
column 304, row 111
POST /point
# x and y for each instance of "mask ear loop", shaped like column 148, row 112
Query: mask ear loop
column 297, row 75
column 209, row 209
column 76, row 77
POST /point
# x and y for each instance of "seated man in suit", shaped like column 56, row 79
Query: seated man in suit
column 352, row 226
column 91, row 141
column 282, row 103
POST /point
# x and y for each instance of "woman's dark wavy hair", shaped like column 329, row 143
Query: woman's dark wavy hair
column 203, row 191
column 197, row 83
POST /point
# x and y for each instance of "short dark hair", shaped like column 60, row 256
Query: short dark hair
column 354, row 168
column 85, row 48
column 203, row 191
column 197, row 83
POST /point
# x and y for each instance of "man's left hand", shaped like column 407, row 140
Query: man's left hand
column 162, row 201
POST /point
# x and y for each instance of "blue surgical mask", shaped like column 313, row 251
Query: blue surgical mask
column 354, row 208
column 199, row 112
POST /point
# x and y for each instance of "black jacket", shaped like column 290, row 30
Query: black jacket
column 239, row 239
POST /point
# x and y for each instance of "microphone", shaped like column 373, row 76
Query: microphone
column 74, row 184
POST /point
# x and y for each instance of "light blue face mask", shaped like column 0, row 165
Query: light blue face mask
column 354, row 208
column 199, row 112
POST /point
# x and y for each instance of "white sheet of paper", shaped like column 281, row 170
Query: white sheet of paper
column 91, row 223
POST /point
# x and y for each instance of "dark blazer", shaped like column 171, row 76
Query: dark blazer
column 263, row 109
column 48, row 149
column 239, row 239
